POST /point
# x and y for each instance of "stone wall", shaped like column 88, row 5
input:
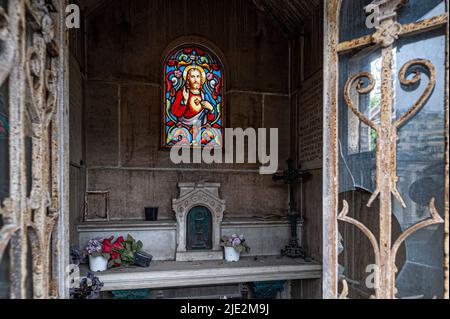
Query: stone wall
column 77, row 155
column 307, row 102
column 126, row 42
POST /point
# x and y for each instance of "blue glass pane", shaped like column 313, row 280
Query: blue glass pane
column 420, row 167
column 417, row 10
column 352, row 20
column 357, row 142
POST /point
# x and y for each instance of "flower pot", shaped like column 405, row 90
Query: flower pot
column 151, row 213
column 231, row 254
column 98, row 263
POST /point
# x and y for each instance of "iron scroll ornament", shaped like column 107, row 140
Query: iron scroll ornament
column 365, row 87
column 393, row 127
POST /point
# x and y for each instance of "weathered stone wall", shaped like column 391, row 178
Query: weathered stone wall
column 77, row 155
column 307, row 101
column 126, row 41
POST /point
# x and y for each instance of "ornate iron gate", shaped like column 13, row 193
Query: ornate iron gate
column 370, row 92
column 33, row 210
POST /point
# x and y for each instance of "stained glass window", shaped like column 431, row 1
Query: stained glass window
column 193, row 98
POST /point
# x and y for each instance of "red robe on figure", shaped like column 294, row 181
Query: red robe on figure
column 193, row 107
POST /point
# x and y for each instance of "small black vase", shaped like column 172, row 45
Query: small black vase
column 151, row 213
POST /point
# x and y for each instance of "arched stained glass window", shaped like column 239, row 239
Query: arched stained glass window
column 193, row 98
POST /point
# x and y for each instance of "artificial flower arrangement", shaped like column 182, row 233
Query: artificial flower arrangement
column 112, row 253
column 235, row 241
column 89, row 288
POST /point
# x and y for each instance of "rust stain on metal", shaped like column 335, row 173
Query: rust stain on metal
column 446, row 180
column 386, row 130
column 406, row 30
column 330, row 226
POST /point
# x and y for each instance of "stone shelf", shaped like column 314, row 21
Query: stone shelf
column 167, row 274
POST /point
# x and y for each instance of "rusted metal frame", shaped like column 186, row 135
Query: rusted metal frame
column 17, row 201
column 386, row 140
column 386, row 146
column 330, row 156
column 446, row 177
column 407, row 30
column 386, row 174
column 413, row 110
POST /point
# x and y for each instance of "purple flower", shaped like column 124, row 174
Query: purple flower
column 209, row 76
column 236, row 241
column 94, row 246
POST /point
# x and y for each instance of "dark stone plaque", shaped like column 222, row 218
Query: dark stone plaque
column 199, row 229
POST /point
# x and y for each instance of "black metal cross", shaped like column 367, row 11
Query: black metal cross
column 292, row 176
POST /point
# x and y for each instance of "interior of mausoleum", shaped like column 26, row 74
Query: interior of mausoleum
column 118, row 65
column 240, row 149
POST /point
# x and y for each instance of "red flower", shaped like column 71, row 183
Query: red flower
column 113, row 248
column 188, row 50
column 215, row 67
column 108, row 245
column 200, row 51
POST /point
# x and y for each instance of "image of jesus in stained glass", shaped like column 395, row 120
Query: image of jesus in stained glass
column 193, row 108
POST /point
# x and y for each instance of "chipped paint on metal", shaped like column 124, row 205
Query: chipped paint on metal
column 386, row 171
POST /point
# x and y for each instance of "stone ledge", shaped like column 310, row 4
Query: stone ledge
column 171, row 224
column 166, row 274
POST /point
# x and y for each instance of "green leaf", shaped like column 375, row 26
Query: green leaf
column 130, row 239
column 139, row 245
column 111, row 263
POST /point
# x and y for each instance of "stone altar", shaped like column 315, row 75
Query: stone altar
column 192, row 195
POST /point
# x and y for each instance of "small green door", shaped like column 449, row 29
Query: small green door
column 199, row 229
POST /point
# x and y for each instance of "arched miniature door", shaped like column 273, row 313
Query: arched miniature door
column 386, row 132
column 199, row 229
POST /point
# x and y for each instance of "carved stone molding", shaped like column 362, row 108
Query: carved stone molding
column 7, row 46
column 193, row 195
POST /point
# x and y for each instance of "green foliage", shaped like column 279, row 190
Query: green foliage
column 125, row 254
column 204, row 60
